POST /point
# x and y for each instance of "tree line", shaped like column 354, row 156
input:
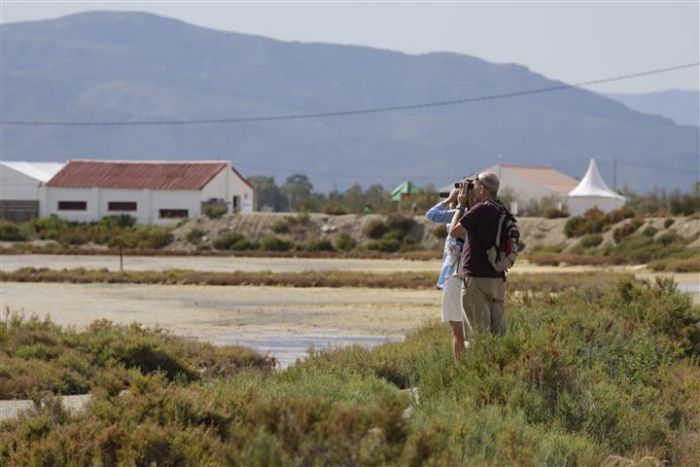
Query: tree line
column 297, row 194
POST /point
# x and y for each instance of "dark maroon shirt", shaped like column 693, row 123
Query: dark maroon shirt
column 481, row 224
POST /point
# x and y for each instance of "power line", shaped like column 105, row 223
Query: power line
column 236, row 120
column 646, row 166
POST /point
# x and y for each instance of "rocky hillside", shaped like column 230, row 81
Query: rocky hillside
column 536, row 231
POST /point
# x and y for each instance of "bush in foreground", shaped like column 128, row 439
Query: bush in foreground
column 580, row 377
column 38, row 355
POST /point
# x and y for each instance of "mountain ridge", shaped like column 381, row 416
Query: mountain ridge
column 139, row 66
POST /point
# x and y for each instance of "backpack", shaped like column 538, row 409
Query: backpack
column 504, row 252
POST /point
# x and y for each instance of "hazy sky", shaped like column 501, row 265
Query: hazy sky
column 567, row 40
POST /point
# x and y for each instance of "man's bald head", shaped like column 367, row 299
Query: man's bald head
column 490, row 181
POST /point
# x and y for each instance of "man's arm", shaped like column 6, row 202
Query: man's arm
column 456, row 229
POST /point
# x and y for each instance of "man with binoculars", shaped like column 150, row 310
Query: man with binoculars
column 477, row 221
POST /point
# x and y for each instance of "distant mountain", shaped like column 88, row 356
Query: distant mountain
column 681, row 106
column 135, row 66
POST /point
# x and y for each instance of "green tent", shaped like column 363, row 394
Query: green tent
column 404, row 188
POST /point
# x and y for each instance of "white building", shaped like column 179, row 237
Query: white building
column 20, row 185
column 153, row 192
column 528, row 183
column 593, row 192
column 533, row 182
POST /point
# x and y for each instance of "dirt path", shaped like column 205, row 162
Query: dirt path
column 228, row 264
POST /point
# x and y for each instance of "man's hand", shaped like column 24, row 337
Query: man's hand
column 463, row 196
column 453, row 196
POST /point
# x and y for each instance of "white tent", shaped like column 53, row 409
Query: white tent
column 591, row 192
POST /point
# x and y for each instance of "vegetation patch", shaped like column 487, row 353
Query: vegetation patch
column 404, row 280
column 590, row 376
column 37, row 356
column 676, row 264
column 114, row 231
column 595, row 221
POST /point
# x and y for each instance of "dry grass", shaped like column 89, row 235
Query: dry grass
column 570, row 259
column 676, row 264
column 548, row 282
column 55, row 249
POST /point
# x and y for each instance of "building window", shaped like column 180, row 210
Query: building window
column 72, row 205
column 121, row 206
column 173, row 213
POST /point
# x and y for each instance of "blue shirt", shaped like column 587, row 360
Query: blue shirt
column 453, row 247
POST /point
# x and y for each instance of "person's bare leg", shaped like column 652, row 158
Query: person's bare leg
column 457, row 339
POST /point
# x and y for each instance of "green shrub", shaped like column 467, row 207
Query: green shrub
column 554, row 213
column 345, row 242
column 401, row 223
column 232, row 241
column 591, row 240
column 627, row 229
column 595, row 221
column 669, row 237
column 273, row 243
column 215, row 212
column 386, row 244
column 375, row 228
column 302, row 217
column 625, row 212
column 195, row 235
column 333, row 208
column 650, row 231
column 154, row 237
column 11, row 232
column 40, row 356
column 318, row 244
column 280, row 226
column 122, row 221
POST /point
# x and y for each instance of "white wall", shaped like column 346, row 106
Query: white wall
column 523, row 188
column 226, row 185
column 148, row 203
column 578, row 205
column 17, row 186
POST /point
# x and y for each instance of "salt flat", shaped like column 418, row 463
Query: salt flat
column 283, row 321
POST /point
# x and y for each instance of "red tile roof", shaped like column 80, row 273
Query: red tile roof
column 155, row 175
column 544, row 175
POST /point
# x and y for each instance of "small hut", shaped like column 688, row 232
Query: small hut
column 404, row 188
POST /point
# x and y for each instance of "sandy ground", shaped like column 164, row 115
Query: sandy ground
column 229, row 264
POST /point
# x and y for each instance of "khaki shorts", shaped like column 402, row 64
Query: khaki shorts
column 482, row 304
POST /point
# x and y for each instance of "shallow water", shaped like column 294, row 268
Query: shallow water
column 288, row 350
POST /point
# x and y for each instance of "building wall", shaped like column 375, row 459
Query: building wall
column 523, row 188
column 17, row 186
column 230, row 185
column 148, row 203
column 578, row 205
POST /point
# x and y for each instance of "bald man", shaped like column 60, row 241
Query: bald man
column 483, row 288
